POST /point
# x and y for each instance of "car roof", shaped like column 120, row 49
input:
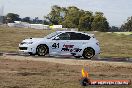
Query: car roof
column 70, row 31
column 90, row 34
column 73, row 32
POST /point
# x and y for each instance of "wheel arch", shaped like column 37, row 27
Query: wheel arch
column 91, row 45
column 43, row 45
column 87, row 46
column 86, row 53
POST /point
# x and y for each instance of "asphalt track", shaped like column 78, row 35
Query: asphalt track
column 16, row 55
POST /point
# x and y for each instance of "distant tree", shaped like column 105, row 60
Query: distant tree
column 55, row 16
column 114, row 29
column 45, row 22
column 26, row 19
column 73, row 17
column 128, row 25
column 85, row 21
column 71, row 20
column 36, row 20
column 11, row 17
column 100, row 22
column 99, row 14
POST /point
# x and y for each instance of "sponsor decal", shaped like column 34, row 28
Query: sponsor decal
column 55, row 45
column 85, row 80
column 65, row 49
column 77, row 50
column 70, row 48
column 110, row 82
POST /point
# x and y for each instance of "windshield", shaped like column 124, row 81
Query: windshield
column 52, row 35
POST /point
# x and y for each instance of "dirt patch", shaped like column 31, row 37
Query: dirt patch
column 21, row 73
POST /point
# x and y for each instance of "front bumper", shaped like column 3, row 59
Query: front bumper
column 23, row 48
column 27, row 48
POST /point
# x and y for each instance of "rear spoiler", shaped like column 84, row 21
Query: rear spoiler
column 92, row 35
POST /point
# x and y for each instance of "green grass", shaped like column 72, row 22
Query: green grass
column 11, row 37
column 112, row 45
column 124, row 33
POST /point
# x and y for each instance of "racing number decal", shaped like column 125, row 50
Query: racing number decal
column 55, row 45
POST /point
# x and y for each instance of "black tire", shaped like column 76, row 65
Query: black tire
column 31, row 54
column 42, row 50
column 77, row 56
column 88, row 53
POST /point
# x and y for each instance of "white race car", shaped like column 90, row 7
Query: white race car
column 77, row 44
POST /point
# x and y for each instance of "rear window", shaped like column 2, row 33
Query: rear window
column 79, row 36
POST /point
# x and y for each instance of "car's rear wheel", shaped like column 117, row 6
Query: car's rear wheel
column 88, row 53
column 42, row 50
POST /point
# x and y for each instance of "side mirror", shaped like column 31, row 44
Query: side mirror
column 56, row 38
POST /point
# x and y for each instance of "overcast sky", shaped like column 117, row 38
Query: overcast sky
column 116, row 11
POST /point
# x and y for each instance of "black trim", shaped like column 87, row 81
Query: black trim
column 23, row 48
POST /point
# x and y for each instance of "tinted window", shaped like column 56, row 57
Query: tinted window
column 51, row 35
column 78, row 36
column 64, row 36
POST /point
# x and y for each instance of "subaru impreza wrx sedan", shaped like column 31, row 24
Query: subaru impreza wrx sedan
column 71, row 43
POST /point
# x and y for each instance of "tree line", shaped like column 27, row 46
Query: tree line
column 73, row 17
column 11, row 17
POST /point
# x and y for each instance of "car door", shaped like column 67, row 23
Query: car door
column 61, row 44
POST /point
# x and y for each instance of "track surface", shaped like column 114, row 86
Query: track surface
column 65, row 60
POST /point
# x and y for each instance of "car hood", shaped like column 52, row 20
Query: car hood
column 33, row 39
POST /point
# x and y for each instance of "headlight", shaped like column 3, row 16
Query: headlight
column 26, row 43
column 29, row 42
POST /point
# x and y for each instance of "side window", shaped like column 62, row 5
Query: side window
column 85, row 37
column 74, row 36
column 64, row 36
column 79, row 36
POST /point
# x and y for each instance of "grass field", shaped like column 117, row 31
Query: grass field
column 112, row 44
column 40, row 74
column 36, row 74
column 124, row 33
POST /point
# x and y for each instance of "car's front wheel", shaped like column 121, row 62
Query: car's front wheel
column 42, row 50
column 88, row 53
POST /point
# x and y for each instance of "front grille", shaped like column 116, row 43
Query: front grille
column 23, row 48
